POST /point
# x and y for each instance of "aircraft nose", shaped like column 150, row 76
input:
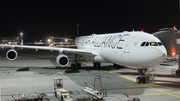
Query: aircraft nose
column 159, row 54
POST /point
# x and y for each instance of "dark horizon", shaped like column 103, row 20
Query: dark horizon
column 40, row 19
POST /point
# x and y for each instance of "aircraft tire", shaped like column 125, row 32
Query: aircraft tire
column 143, row 80
column 55, row 94
column 62, row 99
column 98, row 65
column 176, row 72
column 179, row 73
column 72, row 66
column 78, row 66
column 138, row 80
column 115, row 65
column 95, row 65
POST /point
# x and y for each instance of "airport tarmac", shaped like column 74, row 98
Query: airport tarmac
column 34, row 72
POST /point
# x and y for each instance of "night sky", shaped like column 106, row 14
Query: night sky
column 39, row 19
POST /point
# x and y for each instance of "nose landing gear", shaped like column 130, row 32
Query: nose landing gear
column 141, row 78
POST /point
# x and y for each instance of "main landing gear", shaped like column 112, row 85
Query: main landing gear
column 178, row 72
column 76, row 65
column 97, row 65
column 141, row 78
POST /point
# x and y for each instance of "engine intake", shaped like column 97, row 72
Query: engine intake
column 11, row 54
column 62, row 60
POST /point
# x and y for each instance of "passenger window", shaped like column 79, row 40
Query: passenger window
column 160, row 44
column 143, row 44
column 153, row 44
column 147, row 44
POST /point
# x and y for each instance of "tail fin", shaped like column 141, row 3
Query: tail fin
column 78, row 28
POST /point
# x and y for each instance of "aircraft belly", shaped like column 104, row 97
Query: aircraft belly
column 118, row 58
column 107, row 55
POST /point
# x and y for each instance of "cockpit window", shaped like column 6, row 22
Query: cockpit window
column 143, row 44
column 160, row 43
column 153, row 44
column 147, row 44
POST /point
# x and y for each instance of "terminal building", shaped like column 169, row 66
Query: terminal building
column 170, row 37
column 61, row 42
column 11, row 40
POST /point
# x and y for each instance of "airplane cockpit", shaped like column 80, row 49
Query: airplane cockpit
column 151, row 44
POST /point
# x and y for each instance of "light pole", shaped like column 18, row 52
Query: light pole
column 21, row 37
column 49, row 41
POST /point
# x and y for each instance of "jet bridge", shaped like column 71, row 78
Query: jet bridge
column 170, row 37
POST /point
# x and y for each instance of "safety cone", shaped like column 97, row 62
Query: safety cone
column 153, row 69
column 8, row 72
column 64, row 73
column 1, row 69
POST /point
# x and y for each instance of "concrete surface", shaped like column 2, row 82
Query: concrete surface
column 34, row 72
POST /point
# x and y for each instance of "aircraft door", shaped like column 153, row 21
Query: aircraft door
column 127, row 45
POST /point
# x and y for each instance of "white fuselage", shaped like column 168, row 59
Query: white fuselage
column 124, row 48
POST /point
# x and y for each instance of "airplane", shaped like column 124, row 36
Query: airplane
column 135, row 49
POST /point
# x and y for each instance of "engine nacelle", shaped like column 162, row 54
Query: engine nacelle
column 11, row 54
column 62, row 60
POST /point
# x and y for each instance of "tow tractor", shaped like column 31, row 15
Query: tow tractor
column 86, row 94
column 60, row 92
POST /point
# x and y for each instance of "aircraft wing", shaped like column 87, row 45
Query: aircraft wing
column 62, row 50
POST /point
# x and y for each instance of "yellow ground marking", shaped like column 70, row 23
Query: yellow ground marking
column 129, row 75
column 160, row 93
column 85, row 64
column 146, row 85
column 135, row 81
column 116, row 71
column 110, row 76
column 120, row 76
column 99, row 72
column 138, row 83
column 175, row 92
column 129, row 84
column 140, row 86
column 154, row 94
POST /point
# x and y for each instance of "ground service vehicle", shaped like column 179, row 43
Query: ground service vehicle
column 60, row 92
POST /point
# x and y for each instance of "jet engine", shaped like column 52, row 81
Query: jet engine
column 62, row 60
column 11, row 54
